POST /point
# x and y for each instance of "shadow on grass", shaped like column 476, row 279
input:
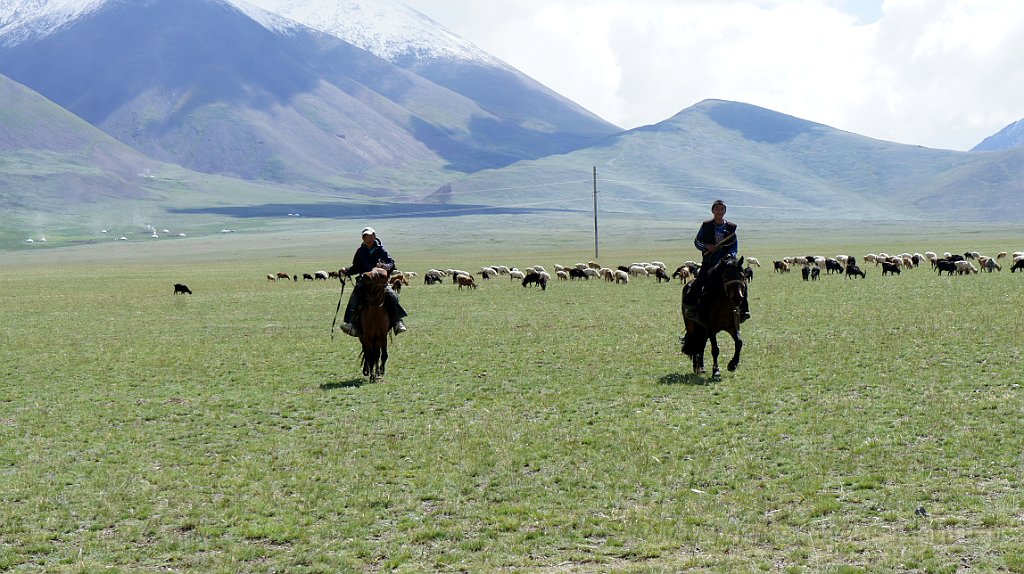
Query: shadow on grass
column 688, row 379
column 349, row 384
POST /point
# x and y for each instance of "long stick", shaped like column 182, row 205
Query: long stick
column 340, row 298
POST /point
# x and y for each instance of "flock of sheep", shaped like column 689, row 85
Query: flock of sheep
column 968, row 263
column 811, row 268
column 538, row 275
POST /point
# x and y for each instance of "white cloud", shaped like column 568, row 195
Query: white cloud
column 940, row 73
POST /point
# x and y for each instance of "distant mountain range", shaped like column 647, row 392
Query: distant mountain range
column 1012, row 136
column 228, row 108
column 768, row 165
column 229, row 89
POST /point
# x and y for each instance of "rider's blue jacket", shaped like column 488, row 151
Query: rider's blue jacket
column 711, row 234
column 366, row 258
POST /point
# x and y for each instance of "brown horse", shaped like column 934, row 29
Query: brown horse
column 724, row 290
column 374, row 324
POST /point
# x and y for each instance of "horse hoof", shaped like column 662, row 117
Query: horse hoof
column 716, row 374
column 732, row 367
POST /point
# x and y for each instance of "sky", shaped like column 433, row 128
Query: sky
column 936, row 73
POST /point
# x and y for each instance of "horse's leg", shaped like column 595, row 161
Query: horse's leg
column 383, row 356
column 366, row 359
column 374, row 360
column 715, row 371
column 735, row 362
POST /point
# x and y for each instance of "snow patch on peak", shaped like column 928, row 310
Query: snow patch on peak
column 269, row 20
column 386, row 28
column 22, row 20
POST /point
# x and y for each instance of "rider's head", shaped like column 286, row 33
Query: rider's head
column 718, row 208
column 369, row 236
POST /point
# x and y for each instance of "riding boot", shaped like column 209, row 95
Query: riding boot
column 744, row 310
column 351, row 326
column 395, row 310
column 691, row 301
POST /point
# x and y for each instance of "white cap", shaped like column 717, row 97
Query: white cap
column 369, row 231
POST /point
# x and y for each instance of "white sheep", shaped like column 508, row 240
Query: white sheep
column 963, row 267
column 621, row 276
column 637, row 270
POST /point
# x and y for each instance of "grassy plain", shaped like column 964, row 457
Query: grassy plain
column 517, row 430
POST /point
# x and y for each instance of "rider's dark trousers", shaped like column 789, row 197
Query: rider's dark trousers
column 394, row 308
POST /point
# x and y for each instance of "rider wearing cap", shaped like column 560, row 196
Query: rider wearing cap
column 716, row 239
column 369, row 255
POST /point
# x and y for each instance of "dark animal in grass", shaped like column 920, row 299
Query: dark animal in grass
column 578, row 274
column 806, row 273
column 307, row 277
column 833, row 266
column 890, row 268
column 431, row 279
column 283, row 275
column 749, row 273
column 724, row 292
column 374, row 324
column 815, row 273
column 1019, row 264
column 179, row 288
column 853, row 271
column 536, row 279
column 295, row 278
column 660, row 274
column 945, row 265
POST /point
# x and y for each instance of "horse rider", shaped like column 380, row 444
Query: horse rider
column 716, row 239
column 369, row 255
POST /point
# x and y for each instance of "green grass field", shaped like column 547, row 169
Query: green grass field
column 517, row 430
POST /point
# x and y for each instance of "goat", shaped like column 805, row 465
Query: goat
column 890, row 268
column 465, row 281
column 852, row 271
column 945, row 265
column 540, row 279
column 180, row 288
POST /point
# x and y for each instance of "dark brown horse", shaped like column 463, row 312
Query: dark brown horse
column 374, row 324
column 724, row 290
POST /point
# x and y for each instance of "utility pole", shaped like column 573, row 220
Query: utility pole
column 596, row 256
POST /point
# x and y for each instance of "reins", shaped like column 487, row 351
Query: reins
column 340, row 298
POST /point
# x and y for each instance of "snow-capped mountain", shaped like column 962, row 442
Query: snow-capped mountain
column 24, row 20
column 387, row 28
column 1012, row 136
column 228, row 87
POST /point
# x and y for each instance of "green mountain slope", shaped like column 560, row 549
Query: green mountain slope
column 765, row 164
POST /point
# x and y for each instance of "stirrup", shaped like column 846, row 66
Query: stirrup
column 350, row 329
column 744, row 316
column 400, row 327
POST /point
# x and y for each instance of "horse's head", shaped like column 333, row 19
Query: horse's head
column 734, row 280
column 377, row 276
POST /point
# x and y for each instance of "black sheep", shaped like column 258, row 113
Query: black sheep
column 179, row 288
column 536, row 279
